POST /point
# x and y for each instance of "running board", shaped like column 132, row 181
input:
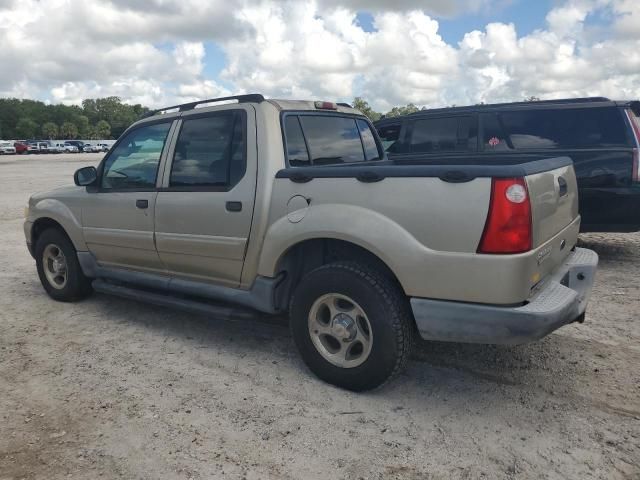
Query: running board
column 222, row 312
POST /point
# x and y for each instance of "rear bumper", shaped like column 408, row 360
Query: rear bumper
column 562, row 299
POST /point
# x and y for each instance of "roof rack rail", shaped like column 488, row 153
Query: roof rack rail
column 249, row 97
column 342, row 104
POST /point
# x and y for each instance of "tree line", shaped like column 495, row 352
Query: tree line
column 100, row 118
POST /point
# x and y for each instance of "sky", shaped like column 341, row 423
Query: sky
column 428, row 52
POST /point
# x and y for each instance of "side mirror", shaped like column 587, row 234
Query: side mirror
column 85, row 176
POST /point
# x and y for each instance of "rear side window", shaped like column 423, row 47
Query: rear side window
column 328, row 140
column 389, row 136
column 210, row 151
column 296, row 147
column 445, row 134
column 493, row 135
column 368, row 141
column 562, row 128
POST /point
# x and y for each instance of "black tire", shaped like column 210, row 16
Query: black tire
column 386, row 308
column 76, row 285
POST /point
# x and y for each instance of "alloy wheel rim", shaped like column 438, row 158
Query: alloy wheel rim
column 340, row 330
column 55, row 266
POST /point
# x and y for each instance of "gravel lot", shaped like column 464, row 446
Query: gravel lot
column 118, row 389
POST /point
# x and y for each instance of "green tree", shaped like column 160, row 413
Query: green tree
column 69, row 130
column 103, row 130
column 362, row 105
column 82, row 122
column 397, row 111
column 90, row 133
column 26, row 128
column 49, row 130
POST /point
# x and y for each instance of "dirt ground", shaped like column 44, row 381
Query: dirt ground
column 109, row 388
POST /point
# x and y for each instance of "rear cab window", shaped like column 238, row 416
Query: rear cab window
column 316, row 139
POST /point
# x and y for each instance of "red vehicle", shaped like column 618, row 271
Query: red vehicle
column 20, row 147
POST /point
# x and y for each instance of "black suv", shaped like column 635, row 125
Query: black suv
column 601, row 136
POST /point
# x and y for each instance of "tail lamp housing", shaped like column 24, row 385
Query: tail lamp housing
column 508, row 228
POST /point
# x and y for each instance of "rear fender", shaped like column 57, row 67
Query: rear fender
column 378, row 234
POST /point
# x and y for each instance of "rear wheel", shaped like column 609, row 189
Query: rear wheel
column 58, row 267
column 352, row 325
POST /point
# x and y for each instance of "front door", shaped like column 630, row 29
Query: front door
column 205, row 206
column 117, row 218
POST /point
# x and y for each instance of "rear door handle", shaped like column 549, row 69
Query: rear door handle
column 142, row 203
column 234, row 206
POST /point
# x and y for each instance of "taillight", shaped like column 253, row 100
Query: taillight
column 508, row 227
column 635, row 128
column 326, row 105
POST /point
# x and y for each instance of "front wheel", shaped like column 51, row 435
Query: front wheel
column 352, row 325
column 58, row 267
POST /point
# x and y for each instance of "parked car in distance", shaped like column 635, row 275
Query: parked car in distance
column 292, row 207
column 63, row 147
column 7, row 148
column 601, row 136
column 77, row 143
column 69, row 148
column 21, row 147
column 37, row 146
column 103, row 147
column 90, row 148
column 53, row 147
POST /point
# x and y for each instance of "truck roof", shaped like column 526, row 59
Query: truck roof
column 585, row 102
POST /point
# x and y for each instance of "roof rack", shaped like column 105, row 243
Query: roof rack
column 249, row 97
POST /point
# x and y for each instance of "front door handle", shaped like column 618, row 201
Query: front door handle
column 234, row 206
column 142, row 203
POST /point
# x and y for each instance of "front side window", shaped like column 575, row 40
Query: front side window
column 133, row 164
column 444, row 134
column 210, row 152
column 328, row 140
column 389, row 136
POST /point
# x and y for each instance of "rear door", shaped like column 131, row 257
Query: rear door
column 205, row 206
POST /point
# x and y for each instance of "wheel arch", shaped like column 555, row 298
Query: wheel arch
column 44, row 223
column 309, row 254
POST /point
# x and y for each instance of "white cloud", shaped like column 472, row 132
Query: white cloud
column 155, row 51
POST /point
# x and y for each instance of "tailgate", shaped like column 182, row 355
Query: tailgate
column 554, row 203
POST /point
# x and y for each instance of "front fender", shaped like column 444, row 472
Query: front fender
column 380, row 235
column 68, row 218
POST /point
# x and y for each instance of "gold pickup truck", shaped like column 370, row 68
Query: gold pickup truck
column 292, row 207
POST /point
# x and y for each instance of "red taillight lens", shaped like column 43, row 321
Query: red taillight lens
column 508, row 227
